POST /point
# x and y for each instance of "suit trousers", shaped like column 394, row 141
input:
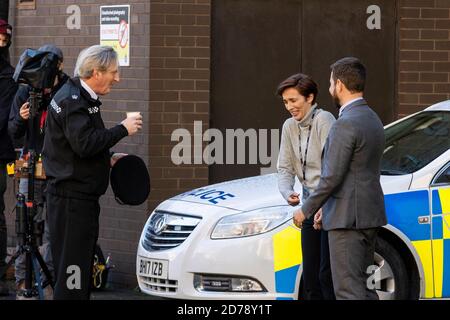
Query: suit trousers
column 351, row 253
column 74, row 225
column 317, row 280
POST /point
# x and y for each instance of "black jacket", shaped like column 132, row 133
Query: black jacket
column 19, row 129
column 76, row 144
column 8, row 89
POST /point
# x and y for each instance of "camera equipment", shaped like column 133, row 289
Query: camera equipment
column 38, row 69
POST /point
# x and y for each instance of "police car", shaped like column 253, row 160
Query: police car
column 236, row 240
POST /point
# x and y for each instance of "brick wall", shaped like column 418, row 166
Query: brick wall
column 179, row 89
column 169, row 82
column 120, row 225
column 424, row 68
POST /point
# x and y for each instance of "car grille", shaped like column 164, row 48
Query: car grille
column 159, row 285
column 168, row 230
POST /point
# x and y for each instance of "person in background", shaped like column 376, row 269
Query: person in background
column 8, row 88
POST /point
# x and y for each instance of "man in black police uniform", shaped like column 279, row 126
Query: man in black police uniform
column 19, row 129
column 77, row 163
column 8, row 89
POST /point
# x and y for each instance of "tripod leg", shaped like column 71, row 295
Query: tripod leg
column 28, row 275
column 44, row 267
column 29, row 292
column 34, row 262
column 37, row 274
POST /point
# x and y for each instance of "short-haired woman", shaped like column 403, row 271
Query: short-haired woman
column 302, row 141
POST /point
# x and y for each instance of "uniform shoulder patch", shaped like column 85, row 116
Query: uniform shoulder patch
column 93, row 110
column 55, row 106
column 75, row 93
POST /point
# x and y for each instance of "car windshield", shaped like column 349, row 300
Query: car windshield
column 413, row 143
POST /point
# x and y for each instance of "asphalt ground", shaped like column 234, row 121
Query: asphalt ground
column 111, row 292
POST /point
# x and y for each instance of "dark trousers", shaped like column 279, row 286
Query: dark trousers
column 74, row 227
column 3, row 235
column 351, row 253
column 317, row 279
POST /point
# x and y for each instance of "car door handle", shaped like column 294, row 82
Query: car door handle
column 424, row 220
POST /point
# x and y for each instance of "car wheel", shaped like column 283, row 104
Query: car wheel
column 390, row 276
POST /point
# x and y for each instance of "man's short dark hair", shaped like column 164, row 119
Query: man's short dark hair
column 304, row 84
column 351, row 72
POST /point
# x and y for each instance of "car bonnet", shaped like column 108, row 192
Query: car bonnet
column 242, row 194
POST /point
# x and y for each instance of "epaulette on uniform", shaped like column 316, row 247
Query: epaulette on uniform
column 75, row 93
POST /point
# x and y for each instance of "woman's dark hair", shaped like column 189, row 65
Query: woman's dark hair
column 304, row 84
column 351, row 72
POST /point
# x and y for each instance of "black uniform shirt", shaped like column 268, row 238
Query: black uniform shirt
column 76, row 145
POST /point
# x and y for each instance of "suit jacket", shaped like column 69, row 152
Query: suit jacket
column 349, row 190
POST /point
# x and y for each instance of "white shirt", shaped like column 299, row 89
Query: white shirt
column 348, row 103
column 89, row 90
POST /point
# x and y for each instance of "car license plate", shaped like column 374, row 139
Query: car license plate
column 153, row 268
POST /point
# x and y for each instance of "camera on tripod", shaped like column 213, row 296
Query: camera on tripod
column 37, row 69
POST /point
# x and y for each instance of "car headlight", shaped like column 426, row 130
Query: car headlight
column 252, row 223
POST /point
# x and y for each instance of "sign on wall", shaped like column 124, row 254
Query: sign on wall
column 115, row 30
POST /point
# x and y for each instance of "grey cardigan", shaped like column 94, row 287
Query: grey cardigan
column 289, row 163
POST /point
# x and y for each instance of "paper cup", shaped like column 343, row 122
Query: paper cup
column 133, row 114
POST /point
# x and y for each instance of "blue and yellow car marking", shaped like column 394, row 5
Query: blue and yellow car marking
column 287, row 255
column 431, row 242
column 403, row 211
column 441, row 241
column 441, row 201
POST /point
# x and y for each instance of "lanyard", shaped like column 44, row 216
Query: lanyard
column 307, row 146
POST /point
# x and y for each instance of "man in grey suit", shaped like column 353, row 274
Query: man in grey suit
column 349, row 190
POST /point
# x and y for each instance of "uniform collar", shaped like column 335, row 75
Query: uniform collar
column 91, row 92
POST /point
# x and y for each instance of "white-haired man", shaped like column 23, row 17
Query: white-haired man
column 77, row 162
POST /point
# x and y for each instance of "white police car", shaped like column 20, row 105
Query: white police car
column 236, row 240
